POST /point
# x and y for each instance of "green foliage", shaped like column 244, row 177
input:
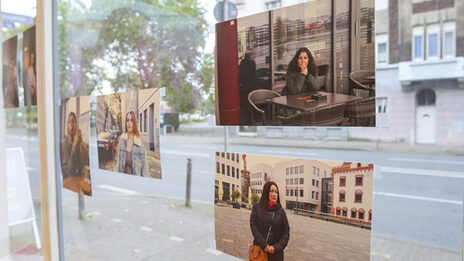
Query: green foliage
column 244, row 198
column 254, row 198
column 235, row 195
column 13, row 32
column 133, row 45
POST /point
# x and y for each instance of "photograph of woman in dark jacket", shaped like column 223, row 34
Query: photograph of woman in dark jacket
column 301, row 73
column 266, row 212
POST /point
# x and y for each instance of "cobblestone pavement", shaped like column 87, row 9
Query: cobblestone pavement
column 310, row 239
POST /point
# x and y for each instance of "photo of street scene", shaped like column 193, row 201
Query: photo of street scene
column 74, row 144
column 10, row 73
column 323, row 209
column 128, row 129
column 286, row 74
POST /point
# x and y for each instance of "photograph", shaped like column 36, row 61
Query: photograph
column 128, row 128
column 29, row 70
column 10, row 73
column 276, row 68
column 292, row 209
column 74, row 144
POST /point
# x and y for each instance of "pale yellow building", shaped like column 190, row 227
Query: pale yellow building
column 352, row 192
column 227, row 175
column 259, row 174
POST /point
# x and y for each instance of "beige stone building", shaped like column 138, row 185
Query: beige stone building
column 352, row 192
column 227, row 175
column 300, row 183
column 259, row 174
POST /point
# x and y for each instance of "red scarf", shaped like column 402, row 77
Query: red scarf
column 271, row 204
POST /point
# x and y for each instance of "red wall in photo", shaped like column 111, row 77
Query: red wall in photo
column 227, row 72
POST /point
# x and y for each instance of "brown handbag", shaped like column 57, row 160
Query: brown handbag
column 255, row 252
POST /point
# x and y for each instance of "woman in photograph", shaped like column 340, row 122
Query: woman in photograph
column 131, row 158
column 31, row 79
column 301, row 73
column 10, row 93
column 71, row 164
column 266, row 213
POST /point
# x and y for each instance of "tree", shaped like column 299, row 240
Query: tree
column 254, row 198
column 235, row 195
column 135, row 44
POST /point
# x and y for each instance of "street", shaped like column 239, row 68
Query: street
column 417, row 201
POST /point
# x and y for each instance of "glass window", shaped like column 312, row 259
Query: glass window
column 302, row 181
column 296, row 181
column 433, row 41
column 218, row 167
column 342, row 196
column 223, row 168
column 381, row 104
column 301, row 193
column 449, row 39
column 418, row 44
column 228, row 170
column 358, row 197
column 359, row 180
column 342, row 181
column 301, row 169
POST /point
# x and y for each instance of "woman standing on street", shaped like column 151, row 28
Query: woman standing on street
column 132, row 157
column 269, row 223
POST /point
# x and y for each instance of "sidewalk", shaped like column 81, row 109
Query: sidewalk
column 122, row 227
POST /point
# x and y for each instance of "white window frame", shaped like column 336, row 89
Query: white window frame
column 381, row 102
column 449, row 27
column 417, row 31
column 433, row 29
column 381, row 39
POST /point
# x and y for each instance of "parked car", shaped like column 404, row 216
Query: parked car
column 105, row 141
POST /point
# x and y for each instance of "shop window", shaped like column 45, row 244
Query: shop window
column 358, row 196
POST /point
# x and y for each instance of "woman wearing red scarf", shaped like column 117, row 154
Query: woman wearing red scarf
column 265, row 213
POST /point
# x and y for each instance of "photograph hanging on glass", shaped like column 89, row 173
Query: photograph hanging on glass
column 283, row 67
column 314, row 206
column 74, row 144
column 128, row 127
column 10, row 73
column 30, row 69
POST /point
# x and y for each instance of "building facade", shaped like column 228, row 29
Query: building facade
column 419, row 73
column 352, row 192
column 326, row 195
column 301, row 183
column 227, row 175
column 259, row 175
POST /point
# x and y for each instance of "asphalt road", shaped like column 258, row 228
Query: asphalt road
column 417, row 197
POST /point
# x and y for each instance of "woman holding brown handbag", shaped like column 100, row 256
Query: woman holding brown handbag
column 269, row 224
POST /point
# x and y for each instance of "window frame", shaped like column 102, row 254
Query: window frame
column 417, row 31
column 358, row 192
column 381, row 39
column 340, row 193
column 432, row 29
column 449, row 27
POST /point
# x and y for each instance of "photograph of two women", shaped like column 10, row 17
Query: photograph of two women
column 127, row 136
column 292, row 209
column 301, row 65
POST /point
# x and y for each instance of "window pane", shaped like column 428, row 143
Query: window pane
column 433, row 45
column 382, row 53
column 417, row 47
column 448, row 46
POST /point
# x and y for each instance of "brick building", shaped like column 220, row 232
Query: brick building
column 352, row 192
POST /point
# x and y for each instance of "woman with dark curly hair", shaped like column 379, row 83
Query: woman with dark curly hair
column 269, row 223
column 301, row 73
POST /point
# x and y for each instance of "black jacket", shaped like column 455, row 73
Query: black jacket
column 280, row 232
